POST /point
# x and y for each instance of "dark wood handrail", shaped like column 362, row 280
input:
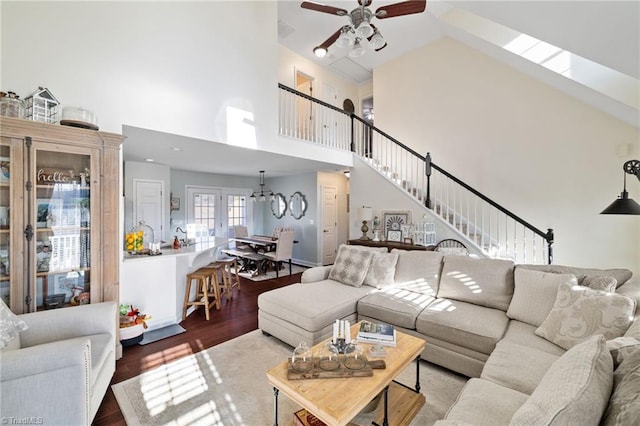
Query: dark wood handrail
column 547, row 236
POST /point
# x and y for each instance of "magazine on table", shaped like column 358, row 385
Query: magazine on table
column 383, row 334
column 375, row 341
column 376, row 331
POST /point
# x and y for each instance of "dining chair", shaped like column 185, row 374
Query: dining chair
column 240, row 231
column 283, row 251
column 451, row 246
column 276, row 231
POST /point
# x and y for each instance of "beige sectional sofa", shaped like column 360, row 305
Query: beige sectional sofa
column 511, row 328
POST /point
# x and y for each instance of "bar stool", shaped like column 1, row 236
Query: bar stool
column 230, row 278
column 207, row 287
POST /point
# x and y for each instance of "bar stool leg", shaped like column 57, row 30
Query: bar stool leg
column 205, row 293
column 186, row 297
column 215, row 283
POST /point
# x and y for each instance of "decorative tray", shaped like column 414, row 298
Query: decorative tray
column 341, row 371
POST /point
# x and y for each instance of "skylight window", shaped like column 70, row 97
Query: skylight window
column 600, row 78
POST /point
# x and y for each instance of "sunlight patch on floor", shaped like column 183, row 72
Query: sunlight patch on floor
column 206, row 414
column 152, row 361
column 172, row 384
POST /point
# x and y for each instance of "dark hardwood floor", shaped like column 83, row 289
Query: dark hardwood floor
column 235, row 318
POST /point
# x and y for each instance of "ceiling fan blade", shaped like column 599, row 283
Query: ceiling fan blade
column 332, row 39
column 318, row 7
column 402, row 8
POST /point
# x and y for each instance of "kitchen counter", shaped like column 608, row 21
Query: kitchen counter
column 156, row 284
column 192, row 250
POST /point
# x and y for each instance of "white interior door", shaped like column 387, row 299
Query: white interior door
column 329, row 224
column 147, row 205
column 329, row 119
column 304, row 107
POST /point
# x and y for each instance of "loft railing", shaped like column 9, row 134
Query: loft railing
column 497, row 231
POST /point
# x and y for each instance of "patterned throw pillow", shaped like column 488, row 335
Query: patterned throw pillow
column 600, row 282
column 10, row 325
column 351, row 266
column 580, row 312
column 382, row 270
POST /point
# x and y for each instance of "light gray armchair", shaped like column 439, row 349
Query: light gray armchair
column 63, row 367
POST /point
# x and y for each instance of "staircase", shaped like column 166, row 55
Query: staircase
column 494, row 230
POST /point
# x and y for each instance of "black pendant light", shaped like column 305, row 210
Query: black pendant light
column 624, row 204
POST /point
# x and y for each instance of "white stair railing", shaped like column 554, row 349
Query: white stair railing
column 495, row 230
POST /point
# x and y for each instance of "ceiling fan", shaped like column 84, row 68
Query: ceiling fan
column 360, row 29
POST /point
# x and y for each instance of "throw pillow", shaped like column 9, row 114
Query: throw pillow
column 10, row 325
column 351, row 265
column 534, row 294
column 624, row 404
column 381, row 270
column 600, row 282
column 575, row 390
column 622, row 347
column 580, row 312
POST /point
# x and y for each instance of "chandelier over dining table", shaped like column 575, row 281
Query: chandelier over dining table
column 262, row 193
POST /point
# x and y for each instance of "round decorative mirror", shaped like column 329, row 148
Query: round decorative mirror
column 297, row 205
column 278, row 205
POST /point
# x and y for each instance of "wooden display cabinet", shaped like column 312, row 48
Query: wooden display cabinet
column 59, row 244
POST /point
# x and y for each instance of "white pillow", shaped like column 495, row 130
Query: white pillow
column 600, row 282
column 580, row 312
column 10, row 325
column 574, row 391
column 381, row 270
column 351, row 265
column 622, row 347
column 534, row 294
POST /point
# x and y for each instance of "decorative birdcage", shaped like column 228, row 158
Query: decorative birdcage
column 41, row 106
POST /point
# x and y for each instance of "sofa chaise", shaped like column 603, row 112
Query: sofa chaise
column 503, row 325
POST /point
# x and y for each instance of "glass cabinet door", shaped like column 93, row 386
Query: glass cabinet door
column 61, row 220
column 5, row 209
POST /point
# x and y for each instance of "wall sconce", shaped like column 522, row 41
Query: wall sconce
column 624, row 204
column 365, row 214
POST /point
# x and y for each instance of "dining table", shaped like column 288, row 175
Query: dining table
column 258, row 243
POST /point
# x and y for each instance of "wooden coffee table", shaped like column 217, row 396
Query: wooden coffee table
column 338, row 400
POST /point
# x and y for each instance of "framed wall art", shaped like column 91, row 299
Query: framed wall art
column 394, row 235
column 394, row 220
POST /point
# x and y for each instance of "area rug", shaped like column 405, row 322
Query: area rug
column 227, row 385
column 269, row 275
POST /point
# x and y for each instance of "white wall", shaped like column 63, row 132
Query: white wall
column 547, row 157
column 175, row 67
column 290, row 62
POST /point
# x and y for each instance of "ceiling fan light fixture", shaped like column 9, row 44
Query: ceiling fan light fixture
column 364, row 30
column 357, row 50
column 347, row 37
column 377, row 41
column 320, row 51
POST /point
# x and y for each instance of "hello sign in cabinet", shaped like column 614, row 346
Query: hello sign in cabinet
column 59, row 215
